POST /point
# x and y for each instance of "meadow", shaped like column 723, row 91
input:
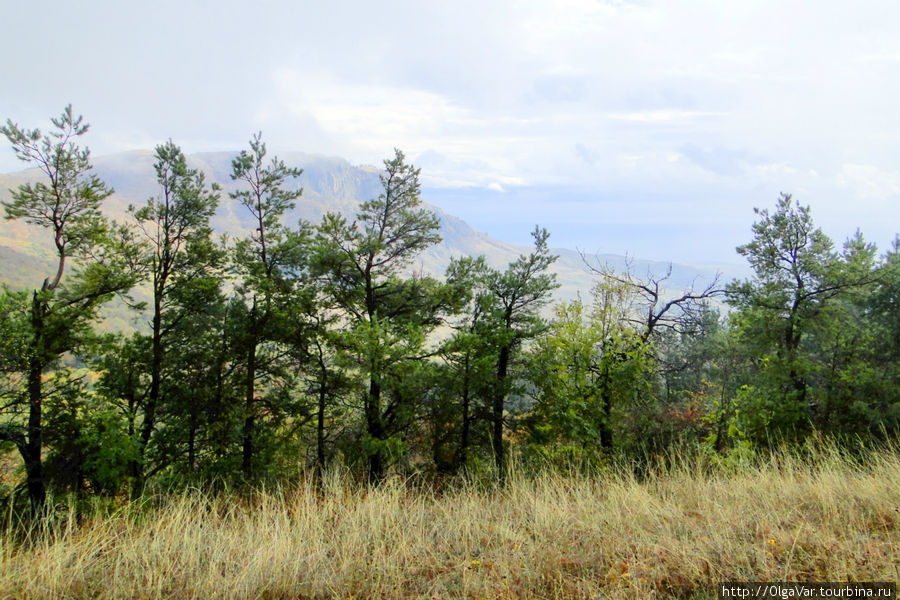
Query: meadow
column 675, row 531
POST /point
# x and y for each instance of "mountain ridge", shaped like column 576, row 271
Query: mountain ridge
column 329, row 184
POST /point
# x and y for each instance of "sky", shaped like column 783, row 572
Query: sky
column 650, row 127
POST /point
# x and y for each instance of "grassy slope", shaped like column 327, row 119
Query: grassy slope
column 675, row 535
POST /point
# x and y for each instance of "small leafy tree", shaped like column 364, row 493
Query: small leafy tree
column 589, row 370
column 855, row 344
column 89, row 449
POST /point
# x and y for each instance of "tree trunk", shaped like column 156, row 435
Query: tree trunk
column 792, row 337
column 497, row 414
column 462, row 456
column 724, row 414
column 217, row 428
column 320, row 426
column 192, row 432
column 606, row 435
column 376, row 431
column 152, row 399
column 37, row 494
column 34, row 469
column 249, row 411
column 320, row 409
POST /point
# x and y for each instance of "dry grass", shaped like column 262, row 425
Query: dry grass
column 674, row 535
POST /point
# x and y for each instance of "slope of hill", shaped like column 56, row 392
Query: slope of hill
column 329, row 184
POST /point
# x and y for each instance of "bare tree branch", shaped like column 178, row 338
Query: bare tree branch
column 677, row 313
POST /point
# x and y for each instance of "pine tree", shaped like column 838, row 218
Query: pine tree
column 798, row 276
column 514, row 298
column 270, row 266
column 67, row 204
column 182, row 264
column 387, row 317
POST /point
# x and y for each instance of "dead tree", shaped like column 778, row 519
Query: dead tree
column 654, row 310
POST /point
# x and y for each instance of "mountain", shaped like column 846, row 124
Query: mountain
column 329, row 184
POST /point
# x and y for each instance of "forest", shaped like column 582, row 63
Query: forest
column 304, row 348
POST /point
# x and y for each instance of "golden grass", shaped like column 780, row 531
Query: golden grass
column 608, row 535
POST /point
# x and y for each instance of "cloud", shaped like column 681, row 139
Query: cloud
column 664, row 115
column 719, row 160
column 722, row 103
column 870, row 182
column 559, row 88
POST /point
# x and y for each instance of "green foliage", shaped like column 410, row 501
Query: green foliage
column 299, row 346
column 389, row 232
column 272, row 255
column 516, row 295
column 395, row 227
column 590, row 373
column 68, row 204
column 458, row 410
column 175, row 225
column 566, row 370
column 883, row 310
column 271, row 266
column 183, row 266
column 387, row 318
column 796, row 275
column 13, row 331
column 808, row 320
column 857, row 375
column 700, row 372
column 90, row 448
column 511, row 301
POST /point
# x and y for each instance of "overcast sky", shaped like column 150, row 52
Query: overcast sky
column 647, row 127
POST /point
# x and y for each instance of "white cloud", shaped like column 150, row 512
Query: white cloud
column 659, row 116
column 723, row 103
column 870, row 182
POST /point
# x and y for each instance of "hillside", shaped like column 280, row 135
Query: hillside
column 678, row 534
column 328, row 184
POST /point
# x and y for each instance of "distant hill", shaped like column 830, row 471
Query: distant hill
column 329, row 184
